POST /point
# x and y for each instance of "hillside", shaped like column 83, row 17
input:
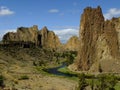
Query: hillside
column 17, row 63
column 28, row 52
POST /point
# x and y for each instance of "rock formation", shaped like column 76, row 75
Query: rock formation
column 99, row 43
column 116, row 21
column 25, row 36
column 49, row 39
column 72, row 44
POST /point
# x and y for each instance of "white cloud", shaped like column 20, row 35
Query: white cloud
column 65, row 34
column 5, row 11
column 113, row 12
column 53, row 11
column 10, row 30
column 1, row 35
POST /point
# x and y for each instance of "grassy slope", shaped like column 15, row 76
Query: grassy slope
column 16, row 63
column 66, row 70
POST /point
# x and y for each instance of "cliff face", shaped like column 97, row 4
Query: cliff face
column 27, row 34
column 72, row 44
column 23, row 34
column 116, row 21
column 49, row 39
column 43, row 38
column 98, row 40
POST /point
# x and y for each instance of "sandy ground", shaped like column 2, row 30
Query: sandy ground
column 36, row 81
column 40, row 82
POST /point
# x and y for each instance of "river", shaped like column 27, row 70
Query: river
column 58, row 73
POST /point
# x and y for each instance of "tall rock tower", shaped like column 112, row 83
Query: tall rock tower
column 98, row 41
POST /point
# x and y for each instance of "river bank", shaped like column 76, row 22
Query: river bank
column 87, row 79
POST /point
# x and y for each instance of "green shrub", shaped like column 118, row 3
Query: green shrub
column 107, row 82
column 82, row 82
column 112, row 81
column 24, row 77
column 1, row 80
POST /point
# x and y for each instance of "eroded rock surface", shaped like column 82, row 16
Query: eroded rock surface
column 49, row 39
column 72, row 44
column 25, row 36
column 99, row 41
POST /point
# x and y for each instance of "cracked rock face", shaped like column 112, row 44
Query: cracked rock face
column 72, row 44
column 43, row 37
column 23, row 34
column 49, row 39
column 99, row 40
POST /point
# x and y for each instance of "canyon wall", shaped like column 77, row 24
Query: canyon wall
column 41, row 38
column 99, row 42
column 72, row 44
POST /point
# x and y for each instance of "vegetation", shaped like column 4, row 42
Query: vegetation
column 107, row 82
column 69, row 56
column 43, row 59
column 100, row 82
column 1, row 81
column 82, row 82
column 24, row 77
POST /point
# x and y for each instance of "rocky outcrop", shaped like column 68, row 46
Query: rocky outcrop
column 116, row 21
column 25, row 36
column 49, row 39
column 98, row 41
column 72, row 44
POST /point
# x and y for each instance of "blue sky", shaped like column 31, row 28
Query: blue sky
column 61, row 16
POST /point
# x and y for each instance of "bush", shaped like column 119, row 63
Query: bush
column 24, row 77
column 1, row 81
column 82, row 82
column 107, row 82
column 100, row 82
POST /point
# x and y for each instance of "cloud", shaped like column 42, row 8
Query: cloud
column 10, row 30
column 65, row 34
column 1, row 36
column 53, row 11
column 5, row 11
column 113, row 12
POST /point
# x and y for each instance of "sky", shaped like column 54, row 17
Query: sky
column 60, row 16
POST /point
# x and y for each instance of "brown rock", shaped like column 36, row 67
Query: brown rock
column 72, row 44
column 98, row 40
column 25, row 36
column 116, row 21
column 49, row 39
column 44, row 35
